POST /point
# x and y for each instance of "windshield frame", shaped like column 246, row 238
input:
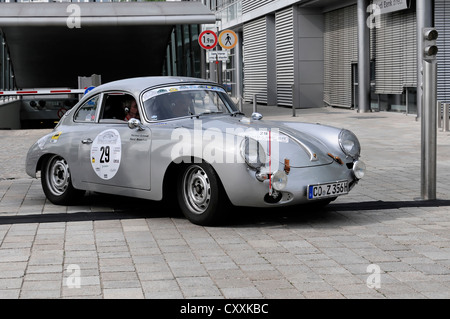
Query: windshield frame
column 180, row 87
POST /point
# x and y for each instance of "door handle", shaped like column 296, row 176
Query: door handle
column 86, row 141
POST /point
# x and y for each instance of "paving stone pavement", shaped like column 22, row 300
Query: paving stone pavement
column 108, row 248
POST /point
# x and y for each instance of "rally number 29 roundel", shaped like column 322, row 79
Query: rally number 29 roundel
column 106, row 153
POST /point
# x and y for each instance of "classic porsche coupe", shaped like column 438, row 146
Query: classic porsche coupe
column 183, row 140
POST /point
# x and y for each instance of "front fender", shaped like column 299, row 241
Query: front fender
column 328, row 135
column 35, row 154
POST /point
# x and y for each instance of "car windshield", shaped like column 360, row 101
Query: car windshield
column 189, row 100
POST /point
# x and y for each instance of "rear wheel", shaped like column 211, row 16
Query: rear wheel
column 57, row 183
column 200, row 195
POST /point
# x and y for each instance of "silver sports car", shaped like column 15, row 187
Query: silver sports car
column 183, row 140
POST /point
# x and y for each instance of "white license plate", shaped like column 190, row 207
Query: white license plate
column 327, row 190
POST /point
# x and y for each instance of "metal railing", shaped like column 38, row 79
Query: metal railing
column 443, row 116
column 229, row 10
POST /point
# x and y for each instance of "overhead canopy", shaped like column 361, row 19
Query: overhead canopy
column 51, row 44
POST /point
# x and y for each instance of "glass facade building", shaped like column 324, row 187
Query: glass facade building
column 39, row 49
column 6, row 68
column 182, row 56
column 305, row 53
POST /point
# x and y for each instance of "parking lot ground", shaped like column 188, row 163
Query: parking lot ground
column 380, row 241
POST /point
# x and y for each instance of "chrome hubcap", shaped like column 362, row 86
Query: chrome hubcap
column 58, row 176
column 196, row 189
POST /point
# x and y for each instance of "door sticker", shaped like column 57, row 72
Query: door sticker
column 106, row 154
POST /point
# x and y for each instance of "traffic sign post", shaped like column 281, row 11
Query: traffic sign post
column 207, row 40
column 214, row 56
column 429, row 115
column 228, row 39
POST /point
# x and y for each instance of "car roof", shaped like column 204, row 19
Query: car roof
column 137, row 85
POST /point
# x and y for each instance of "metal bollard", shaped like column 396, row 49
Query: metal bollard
column 254, row 103
column 446, row 117
column 293, row 100
column 439, row 114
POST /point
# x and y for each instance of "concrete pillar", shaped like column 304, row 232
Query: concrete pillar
column 363, row 57
column 238, row 67
column 271, row 61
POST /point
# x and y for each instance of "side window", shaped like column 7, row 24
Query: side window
column 87, row 112
column 119, row 106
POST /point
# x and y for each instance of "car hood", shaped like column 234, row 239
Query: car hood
column 302, row 149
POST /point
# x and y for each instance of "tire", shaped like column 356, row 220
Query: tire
column 200, row 195
column 57, row 183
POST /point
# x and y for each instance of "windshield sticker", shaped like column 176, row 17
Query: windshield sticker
column 148, row 95
column 106, row 154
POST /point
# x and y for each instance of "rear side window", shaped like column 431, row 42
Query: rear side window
column 119, row 106
column 87, row 112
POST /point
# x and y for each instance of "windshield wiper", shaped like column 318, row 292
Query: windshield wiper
column 205, row 113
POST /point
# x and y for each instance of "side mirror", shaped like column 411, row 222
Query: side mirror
column 257, row 116
column 135, row 123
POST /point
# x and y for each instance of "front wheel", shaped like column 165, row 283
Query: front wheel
column 56, row 181
column 200, row 195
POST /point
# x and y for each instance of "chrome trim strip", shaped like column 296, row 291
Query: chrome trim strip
column 312, row 156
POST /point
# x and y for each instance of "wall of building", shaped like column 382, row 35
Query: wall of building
column 317, row 51
column 6, row 70
column 183, row 54
column 286, row 62
column 310, row 55
column 393, row 54
column 255, row 43
column 442, row 14
column 281, row 50
column 340, row 53
column 10, row 114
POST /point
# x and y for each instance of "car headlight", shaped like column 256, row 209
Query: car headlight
column 349, row 144
column 253, row 153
